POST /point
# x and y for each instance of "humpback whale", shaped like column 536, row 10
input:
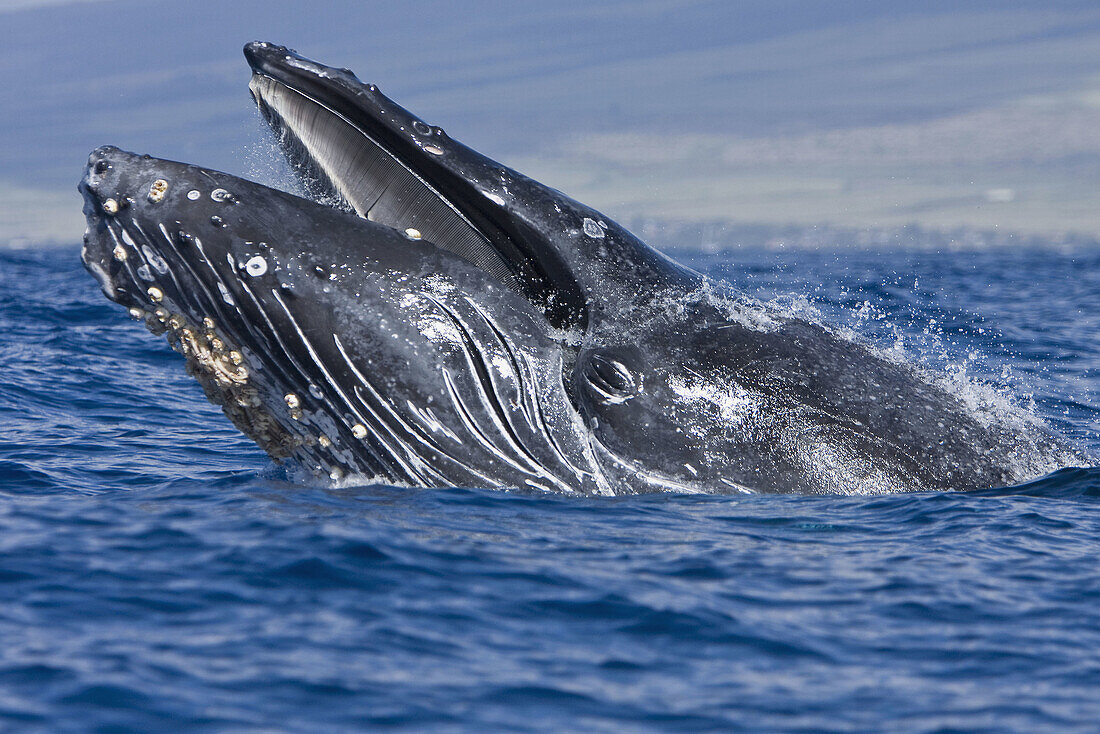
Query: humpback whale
column 431, row 317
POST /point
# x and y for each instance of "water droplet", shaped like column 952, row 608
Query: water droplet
column 433, row 149
column 316, row 392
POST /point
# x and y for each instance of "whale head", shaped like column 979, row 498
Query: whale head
column 435, row 318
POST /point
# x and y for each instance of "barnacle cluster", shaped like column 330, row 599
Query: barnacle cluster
column 224, row 378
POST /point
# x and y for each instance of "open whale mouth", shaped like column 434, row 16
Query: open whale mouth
column 355, row 149
column 438, row 319
column 417, row 248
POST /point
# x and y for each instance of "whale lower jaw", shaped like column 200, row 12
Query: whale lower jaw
column 332, row 340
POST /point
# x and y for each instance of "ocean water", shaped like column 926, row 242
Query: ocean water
column 159, row 573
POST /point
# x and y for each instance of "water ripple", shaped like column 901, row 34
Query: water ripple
column 158, row 573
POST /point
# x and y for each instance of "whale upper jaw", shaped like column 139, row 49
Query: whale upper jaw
column 356, row 149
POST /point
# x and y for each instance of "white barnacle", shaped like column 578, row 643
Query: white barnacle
column 256, row 266
column 194, row 194
column 208, row 322
column 592, row 228
column 236, row 357
column 324, row 441
column 412, row 233
column 137, row 313
column 433, row 149
column 120, row 253
column 156, row 294
column 291, row 400
column 110, row 206
column 158, row 190
column 220, row 195
column 359, row 430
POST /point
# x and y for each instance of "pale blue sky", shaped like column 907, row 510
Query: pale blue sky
column 848, row 113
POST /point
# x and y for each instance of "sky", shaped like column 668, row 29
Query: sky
column 851, row 114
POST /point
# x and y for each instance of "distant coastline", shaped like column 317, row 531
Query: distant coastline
column 713, row 237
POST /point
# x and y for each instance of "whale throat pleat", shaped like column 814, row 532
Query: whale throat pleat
column 337, row 159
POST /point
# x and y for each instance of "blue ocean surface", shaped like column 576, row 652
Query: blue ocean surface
column 159, row 573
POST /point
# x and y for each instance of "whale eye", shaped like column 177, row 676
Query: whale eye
column 611, row 380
